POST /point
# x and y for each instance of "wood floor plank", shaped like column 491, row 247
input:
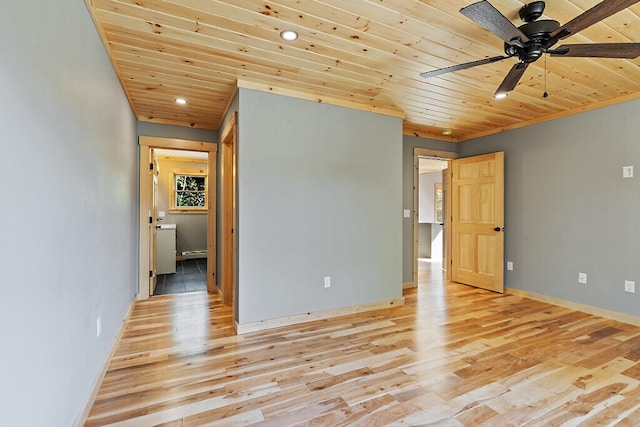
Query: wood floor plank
column 453, row 355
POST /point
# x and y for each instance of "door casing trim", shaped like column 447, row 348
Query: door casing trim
column 146, row 143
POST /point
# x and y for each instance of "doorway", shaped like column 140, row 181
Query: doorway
column 228, row 213
column 430, row 213
column 152, row 220
column 430, row 222
column 181, row 215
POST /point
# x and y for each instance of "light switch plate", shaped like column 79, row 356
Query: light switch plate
column 161, row 214
column 629, row 286
column 407, row 213
column 327, row 281
column 582, row 278
column 627, row 171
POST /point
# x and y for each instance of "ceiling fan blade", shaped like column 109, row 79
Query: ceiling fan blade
column 600, row 50
column 512, row 78
column 596, row 14
column 462, row 66
column 488, row 17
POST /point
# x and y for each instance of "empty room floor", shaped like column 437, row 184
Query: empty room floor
column 190, row 276
column 453, row 355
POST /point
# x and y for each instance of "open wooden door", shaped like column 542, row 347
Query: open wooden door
column 446, row 222
column 153, row 221
column 477, row 221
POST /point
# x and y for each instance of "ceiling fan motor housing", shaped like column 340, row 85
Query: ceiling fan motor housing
column 539, row 34
column 532, row 11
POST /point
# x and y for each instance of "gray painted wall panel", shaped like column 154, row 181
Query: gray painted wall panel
column 69, row 225
column 567, row 207
column 427, row 195
column 317, row 196
column 178, row 132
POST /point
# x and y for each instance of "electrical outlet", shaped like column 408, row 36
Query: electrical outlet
column 630, row 286
column 327, row 281
column 98, row 326
column 627, row 171
column 582, row 278
column 509, row 266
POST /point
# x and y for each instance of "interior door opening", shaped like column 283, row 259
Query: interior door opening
column 430, row 223
column 228, row 226
column 180, row 182
column 183, row 173
column 430, row 219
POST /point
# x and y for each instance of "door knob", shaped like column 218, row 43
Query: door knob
column 498, row 229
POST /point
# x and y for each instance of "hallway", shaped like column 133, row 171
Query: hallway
column 190, row 276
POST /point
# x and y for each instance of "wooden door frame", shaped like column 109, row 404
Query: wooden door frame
column 146, row 144
column 228, row 224
column 439, row 155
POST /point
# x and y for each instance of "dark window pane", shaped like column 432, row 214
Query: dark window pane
column 190, row 199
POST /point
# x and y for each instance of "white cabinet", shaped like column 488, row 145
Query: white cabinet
column 166, row 249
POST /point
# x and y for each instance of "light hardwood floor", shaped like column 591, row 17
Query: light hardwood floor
column 454, row 355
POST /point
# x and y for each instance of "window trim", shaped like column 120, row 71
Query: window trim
column 173, row 208
column 438, row 188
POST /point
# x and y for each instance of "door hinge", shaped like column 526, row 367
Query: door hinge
column 150, row 166
column 150, row 220
column 150, row 274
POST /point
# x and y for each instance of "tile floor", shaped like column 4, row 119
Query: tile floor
column 190, row 276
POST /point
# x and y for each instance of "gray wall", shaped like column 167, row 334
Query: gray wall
column 408, row 144
column 68, row 169
column 427, row 195
column 567, row 207
column 424, row 240
column 191, row 228
column 178, row 132
column 317, row 196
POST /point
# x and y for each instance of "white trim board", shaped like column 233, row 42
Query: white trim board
column 608, row 314
column 318, row 315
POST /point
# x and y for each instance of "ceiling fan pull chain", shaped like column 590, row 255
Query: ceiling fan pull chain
column 545, row 94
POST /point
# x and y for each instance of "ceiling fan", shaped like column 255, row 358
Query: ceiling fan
column 535, row 38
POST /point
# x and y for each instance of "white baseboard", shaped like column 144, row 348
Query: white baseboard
column 318, row 315
column 194, row 254
column 82, row 418
column 608, row 314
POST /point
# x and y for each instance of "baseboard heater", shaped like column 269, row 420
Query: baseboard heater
column 194, row 254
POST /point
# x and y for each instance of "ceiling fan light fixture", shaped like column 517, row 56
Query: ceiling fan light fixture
column 181, row 101
column 288, row 35
column 500, row 95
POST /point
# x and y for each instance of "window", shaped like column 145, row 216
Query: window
column 189, row 191
column 438, row 203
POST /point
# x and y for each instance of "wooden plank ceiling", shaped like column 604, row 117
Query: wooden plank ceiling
column 364, row 54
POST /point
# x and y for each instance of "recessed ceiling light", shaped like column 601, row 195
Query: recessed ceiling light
column 448, row 131
column 500, row 95
column 181, row 101
column 288, row 35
